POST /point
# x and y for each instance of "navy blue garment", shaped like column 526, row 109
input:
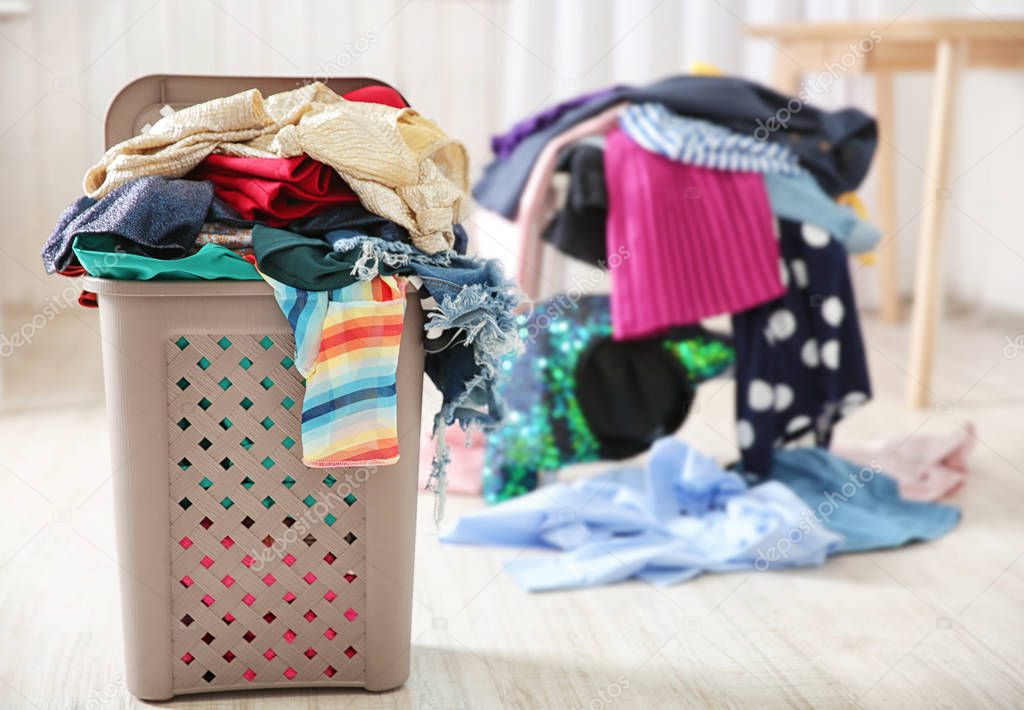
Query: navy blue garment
column 835, row 146
column 162, row 217
column 800, row 363
column 860, row 503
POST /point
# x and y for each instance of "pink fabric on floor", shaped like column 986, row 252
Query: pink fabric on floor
column 693, row 242
column 465, row 472
column 927, row 468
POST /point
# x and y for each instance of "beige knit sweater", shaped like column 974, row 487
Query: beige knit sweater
column 400, row 164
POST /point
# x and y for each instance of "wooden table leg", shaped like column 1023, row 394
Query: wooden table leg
column 887, row 254
column 949, row 56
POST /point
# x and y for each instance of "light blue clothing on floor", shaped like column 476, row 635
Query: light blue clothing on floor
column 792, row 191
column 631, row 523
column 859, row 503
column 800, row 198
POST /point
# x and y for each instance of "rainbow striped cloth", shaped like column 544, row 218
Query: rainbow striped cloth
column 346, row 346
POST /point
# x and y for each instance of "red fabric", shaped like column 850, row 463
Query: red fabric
column 87, row 299
column 274, row 191
column 278, row 191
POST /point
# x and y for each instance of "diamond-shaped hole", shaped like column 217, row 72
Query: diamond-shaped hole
column 248, row 636
column 268, row 463
column 245, row 403
column 309, row 500
column 350, row 499
column 288, row 442
column 187, row 620
column 266, row 383
column 185, row 503
column 184, row 464
column 226, row 463
column 226, row 503
column 351, row 614
column 309, row 540
column 268, row 502
column 287, row 402
column 184, row 424
column 350, row 652
column 290, row 673
column 208, row 638
column 329, row 558
column 290, row 636
column 248, row 483
column 181, row 342
column 350, row 538
column 183, row 384
column 206, row 523
column 330, row 520
column 187, row 658
column 205, row 404
column 225, row 423
column 209, row 676
column 267, row 423
column 205, row 483
column 266, row 342
column 224, row 343
column 288, row 482
column 224, row 383
column 245, row 363
column 248, row 522
column 287, row 362
column 205, row 443
column 309, row 652
column 329, row 671
column 228, row 656
column 203, row 363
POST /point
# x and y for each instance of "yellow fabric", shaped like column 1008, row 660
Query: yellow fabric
column 704, row 69
column 400, row 164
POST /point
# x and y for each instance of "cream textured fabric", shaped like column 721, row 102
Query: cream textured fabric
column 400, row 164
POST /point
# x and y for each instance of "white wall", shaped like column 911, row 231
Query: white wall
column 475, row 67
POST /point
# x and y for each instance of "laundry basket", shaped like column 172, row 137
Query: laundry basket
column 240, row 567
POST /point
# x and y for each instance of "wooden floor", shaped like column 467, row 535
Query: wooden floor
column 935, row 625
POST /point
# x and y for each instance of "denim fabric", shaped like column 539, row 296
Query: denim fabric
column 860, row 503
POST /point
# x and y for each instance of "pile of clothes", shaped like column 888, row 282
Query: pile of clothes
column 699, row 203
column 341, row 204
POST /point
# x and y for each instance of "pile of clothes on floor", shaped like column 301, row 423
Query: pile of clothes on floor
column 700, row 196
column 341, row 204
column 696, row 209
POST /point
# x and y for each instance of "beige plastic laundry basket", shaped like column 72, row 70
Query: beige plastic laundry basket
column 240, row 567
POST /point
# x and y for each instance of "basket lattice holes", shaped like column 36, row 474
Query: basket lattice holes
column 267, row 554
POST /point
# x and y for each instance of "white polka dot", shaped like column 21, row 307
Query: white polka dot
column 783, row 273
column 759, row 395
column 797, row 423
column 814, row 235
column 832, row 311
column 851, row 401
column 744, row 434
column 781, row 324
column 799, row 269
column 809, row 353
column 830, row 354
column 783, row 397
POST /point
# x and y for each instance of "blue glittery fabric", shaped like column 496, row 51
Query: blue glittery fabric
column 161, row 217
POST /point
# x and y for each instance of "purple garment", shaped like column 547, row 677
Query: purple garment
column 162, row 216
column 503, row 144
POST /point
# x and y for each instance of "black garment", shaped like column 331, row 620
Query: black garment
column 578, row 229
column 835, row 146
column 631, row 393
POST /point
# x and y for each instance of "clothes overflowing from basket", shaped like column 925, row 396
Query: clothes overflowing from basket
column 341, row 203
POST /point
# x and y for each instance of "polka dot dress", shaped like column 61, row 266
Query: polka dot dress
column 800, row 363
